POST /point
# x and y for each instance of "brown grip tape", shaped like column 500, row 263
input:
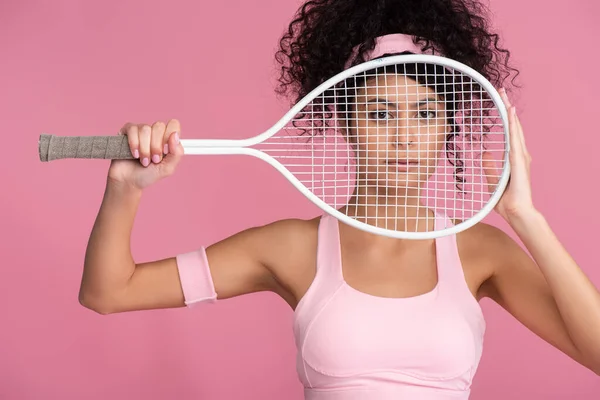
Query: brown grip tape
column 52, row 147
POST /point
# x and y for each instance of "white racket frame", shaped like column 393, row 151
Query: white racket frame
column 242, row 146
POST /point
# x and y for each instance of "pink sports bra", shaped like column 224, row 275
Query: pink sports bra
column 356, row 346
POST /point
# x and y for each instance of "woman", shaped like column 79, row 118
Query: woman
column 375, row 317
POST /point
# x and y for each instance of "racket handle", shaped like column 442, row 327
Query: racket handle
column 52, row 147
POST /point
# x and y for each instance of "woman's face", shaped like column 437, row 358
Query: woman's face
column 398, row 129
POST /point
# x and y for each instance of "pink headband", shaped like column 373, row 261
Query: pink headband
column 388, row 44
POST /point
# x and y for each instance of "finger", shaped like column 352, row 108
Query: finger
column 124, row 128
column 172, row 126
column 504, row 97
column 516, row 129
column 519, row 159
column 521, row 150
column 156, row 141
column 175, row 147
column 172, row 159
column 521, row 134
column 145, row 135
column 132, row 138
column 509, row 109
column 490, row 169
column 515, row 134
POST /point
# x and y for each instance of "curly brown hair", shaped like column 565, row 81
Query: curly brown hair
column 320, row 38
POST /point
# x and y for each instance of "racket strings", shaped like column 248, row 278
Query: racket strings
column 390, row 145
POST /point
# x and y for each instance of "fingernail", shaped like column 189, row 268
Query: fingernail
column 145, row 162
column 176, row 137
column 136, row 153
column 166, row 149
column 155, row 159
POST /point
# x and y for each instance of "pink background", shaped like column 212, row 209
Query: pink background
column 75, row 67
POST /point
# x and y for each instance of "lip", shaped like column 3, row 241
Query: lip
column 403, row 162
column 402, row 165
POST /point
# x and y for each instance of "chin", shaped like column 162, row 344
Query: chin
column 396, row 185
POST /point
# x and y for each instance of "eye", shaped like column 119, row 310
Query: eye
column 427, row 114
column 380, row 115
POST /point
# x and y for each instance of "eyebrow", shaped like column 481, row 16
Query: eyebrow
column 392, row 104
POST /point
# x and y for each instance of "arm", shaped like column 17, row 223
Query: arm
column 548, row 294
column 112, row 281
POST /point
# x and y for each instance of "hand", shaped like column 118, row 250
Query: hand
column 157, row 150
column 517, row 199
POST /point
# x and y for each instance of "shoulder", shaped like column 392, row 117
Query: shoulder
column 288, row 249
column 292, row 236
column 268, row 257
column 486, row 239
column 286, row 232
column 490, row 252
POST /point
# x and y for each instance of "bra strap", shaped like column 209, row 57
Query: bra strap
column 329, row 257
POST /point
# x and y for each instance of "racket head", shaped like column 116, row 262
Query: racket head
column 444, row 125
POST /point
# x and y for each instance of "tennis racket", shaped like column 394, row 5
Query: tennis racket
column 386, row 146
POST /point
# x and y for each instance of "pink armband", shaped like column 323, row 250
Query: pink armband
column 195, row 277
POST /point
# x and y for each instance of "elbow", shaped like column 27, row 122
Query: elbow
column 595, row 362
column 94, row 303
column 594, row 365
column 596, row 369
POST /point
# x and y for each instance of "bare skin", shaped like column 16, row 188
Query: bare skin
column 547, row 292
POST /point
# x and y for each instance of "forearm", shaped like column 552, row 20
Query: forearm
column 108, row 262
column 576, row 297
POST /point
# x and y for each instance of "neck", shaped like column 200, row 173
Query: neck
column 391, row 208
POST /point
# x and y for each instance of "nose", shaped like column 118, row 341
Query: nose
column 402, row 131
